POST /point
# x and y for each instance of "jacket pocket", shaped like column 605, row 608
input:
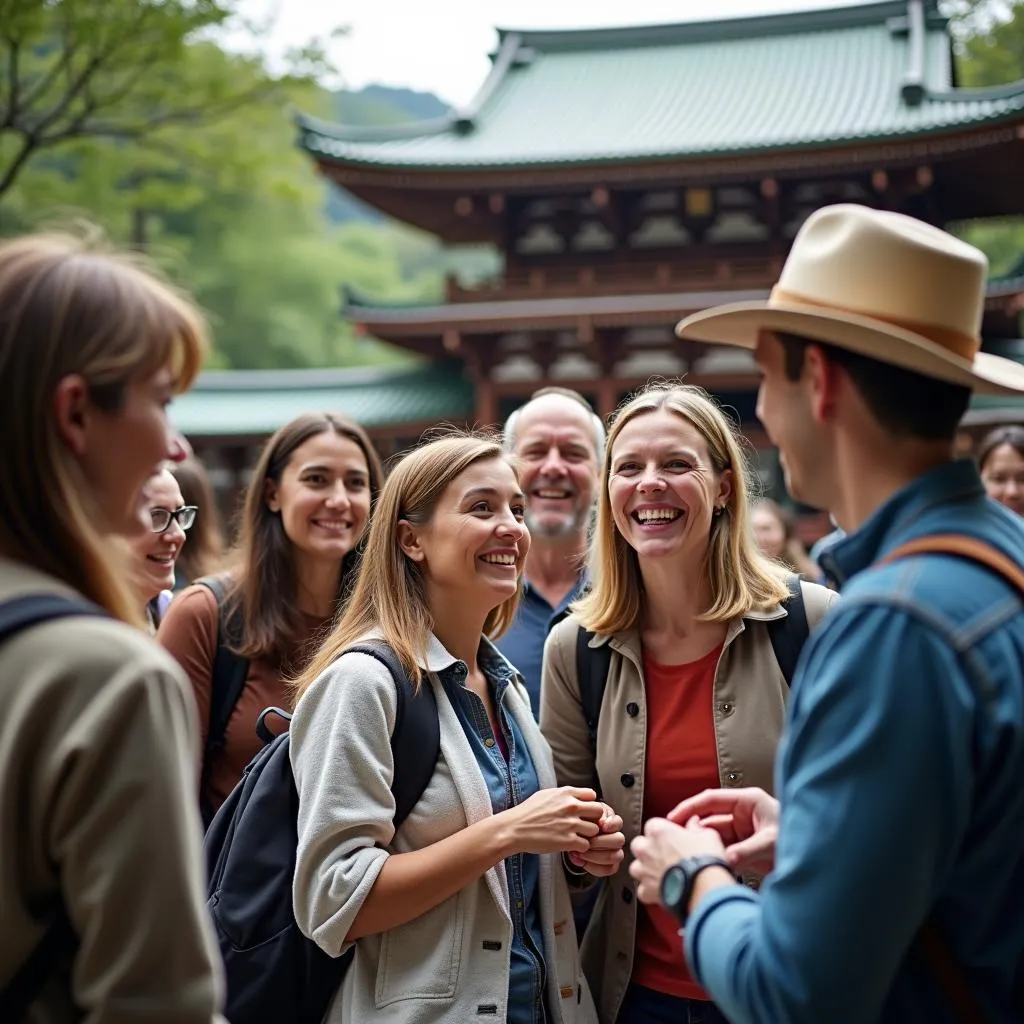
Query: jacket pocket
column 422, row 959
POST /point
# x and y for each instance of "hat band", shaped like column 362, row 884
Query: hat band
column 959, row 344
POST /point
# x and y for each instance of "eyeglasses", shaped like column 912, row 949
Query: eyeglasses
column 163, row 517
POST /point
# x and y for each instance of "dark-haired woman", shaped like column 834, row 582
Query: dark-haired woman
column 306, row 509
column 1001, row 462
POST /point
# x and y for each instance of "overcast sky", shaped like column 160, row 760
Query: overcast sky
column 442, row 46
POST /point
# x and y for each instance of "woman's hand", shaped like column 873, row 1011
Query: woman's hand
column 559, row 820
column 606, row 850
column 746, row 819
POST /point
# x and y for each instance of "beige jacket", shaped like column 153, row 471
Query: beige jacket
column 450, row 962
column 750, row 699
column 98, row 750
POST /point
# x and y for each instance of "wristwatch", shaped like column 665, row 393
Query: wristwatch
column 677, row 883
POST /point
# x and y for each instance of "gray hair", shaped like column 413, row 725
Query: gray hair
column 508, row 433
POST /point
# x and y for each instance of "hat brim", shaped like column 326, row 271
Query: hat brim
column 739, row 324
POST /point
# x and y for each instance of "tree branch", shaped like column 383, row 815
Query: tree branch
column 11, row 108
column 29, row 144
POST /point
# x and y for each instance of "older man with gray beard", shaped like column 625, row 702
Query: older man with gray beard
column 559, row 442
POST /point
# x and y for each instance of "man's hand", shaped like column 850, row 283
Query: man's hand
column 746, row 819
column 607, row 849
column 663, row 844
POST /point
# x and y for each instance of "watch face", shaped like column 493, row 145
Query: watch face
column 673, row 885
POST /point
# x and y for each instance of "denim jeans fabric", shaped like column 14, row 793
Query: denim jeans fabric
column 509, row 783
column 645, row 1006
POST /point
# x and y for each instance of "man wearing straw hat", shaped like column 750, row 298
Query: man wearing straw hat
column 896, row 885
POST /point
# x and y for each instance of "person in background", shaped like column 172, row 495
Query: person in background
column 557, row 440
column 204, row 553
column 1001, row 462
column 157, row 549
column 694, row 696
column 775, row 533
column 463, row 912
column 102, row 884
column 897, row 868
column 306, row 508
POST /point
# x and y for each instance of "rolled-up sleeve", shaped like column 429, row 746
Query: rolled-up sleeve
column 343, row 766
column 875, row 783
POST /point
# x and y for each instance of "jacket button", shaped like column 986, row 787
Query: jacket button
column 627, row 895
column 632, row 709
column 733, row 777
column 726, row 708
column 627, row 780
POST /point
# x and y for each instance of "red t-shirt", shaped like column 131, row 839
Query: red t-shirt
column 682, row 760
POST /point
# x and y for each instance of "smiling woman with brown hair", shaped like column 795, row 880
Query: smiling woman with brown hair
column 102, row 887
column 306, row 509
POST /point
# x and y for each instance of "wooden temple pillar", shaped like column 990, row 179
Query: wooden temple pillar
column 478, row 353
column 608, row 349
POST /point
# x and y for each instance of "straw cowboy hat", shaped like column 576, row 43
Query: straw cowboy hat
column 881, row 284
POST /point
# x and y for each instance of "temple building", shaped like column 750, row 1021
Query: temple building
column 630, row 176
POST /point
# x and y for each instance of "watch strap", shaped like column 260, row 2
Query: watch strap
column 691, row 868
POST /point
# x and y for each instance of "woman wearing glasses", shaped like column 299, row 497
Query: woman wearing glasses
column 157, row 548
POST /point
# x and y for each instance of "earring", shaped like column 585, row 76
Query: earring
column 719, row 509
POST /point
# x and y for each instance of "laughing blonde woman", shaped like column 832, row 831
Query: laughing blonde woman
column 679, row 621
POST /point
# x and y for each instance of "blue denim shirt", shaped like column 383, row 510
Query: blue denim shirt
column 509, row 783
column 901, row 779
column 523, row 642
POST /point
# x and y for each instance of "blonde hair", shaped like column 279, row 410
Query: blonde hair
column 741, row 578
column 67, row 308
column 389, row 593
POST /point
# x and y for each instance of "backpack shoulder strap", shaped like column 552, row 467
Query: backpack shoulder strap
column 933, row 945
column 230, row 672
column 963, row 547
column 416, row 740
column 34, row 609
column 19, row 993
column 592, row 665
column 789, row 633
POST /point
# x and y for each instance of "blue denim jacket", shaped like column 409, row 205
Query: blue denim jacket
column 901, row 778
column 523, row 642
column 509, row 784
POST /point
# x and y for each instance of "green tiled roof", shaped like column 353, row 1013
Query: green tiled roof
column 810, row 79
column 257, row 402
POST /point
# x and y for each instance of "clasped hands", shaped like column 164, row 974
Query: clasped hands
column 738, row 825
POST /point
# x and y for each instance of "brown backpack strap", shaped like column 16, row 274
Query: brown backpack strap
column 964, row 547
column 932, row 944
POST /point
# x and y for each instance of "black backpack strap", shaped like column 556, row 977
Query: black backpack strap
column 230, row 672
column 789, row 633
column 592, row 665
column 416, row 740
column 21, row 991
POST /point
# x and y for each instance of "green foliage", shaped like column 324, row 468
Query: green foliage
column 127, row 113
column 990, row 45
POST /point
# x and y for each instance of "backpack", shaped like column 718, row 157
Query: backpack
column 273, row 972
column 788, row 635
column 20, row 992
column 230, row 672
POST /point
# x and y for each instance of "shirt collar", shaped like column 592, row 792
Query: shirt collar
column 889, row 524
column 493, row 663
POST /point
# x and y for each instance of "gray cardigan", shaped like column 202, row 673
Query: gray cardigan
column 436, row 967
